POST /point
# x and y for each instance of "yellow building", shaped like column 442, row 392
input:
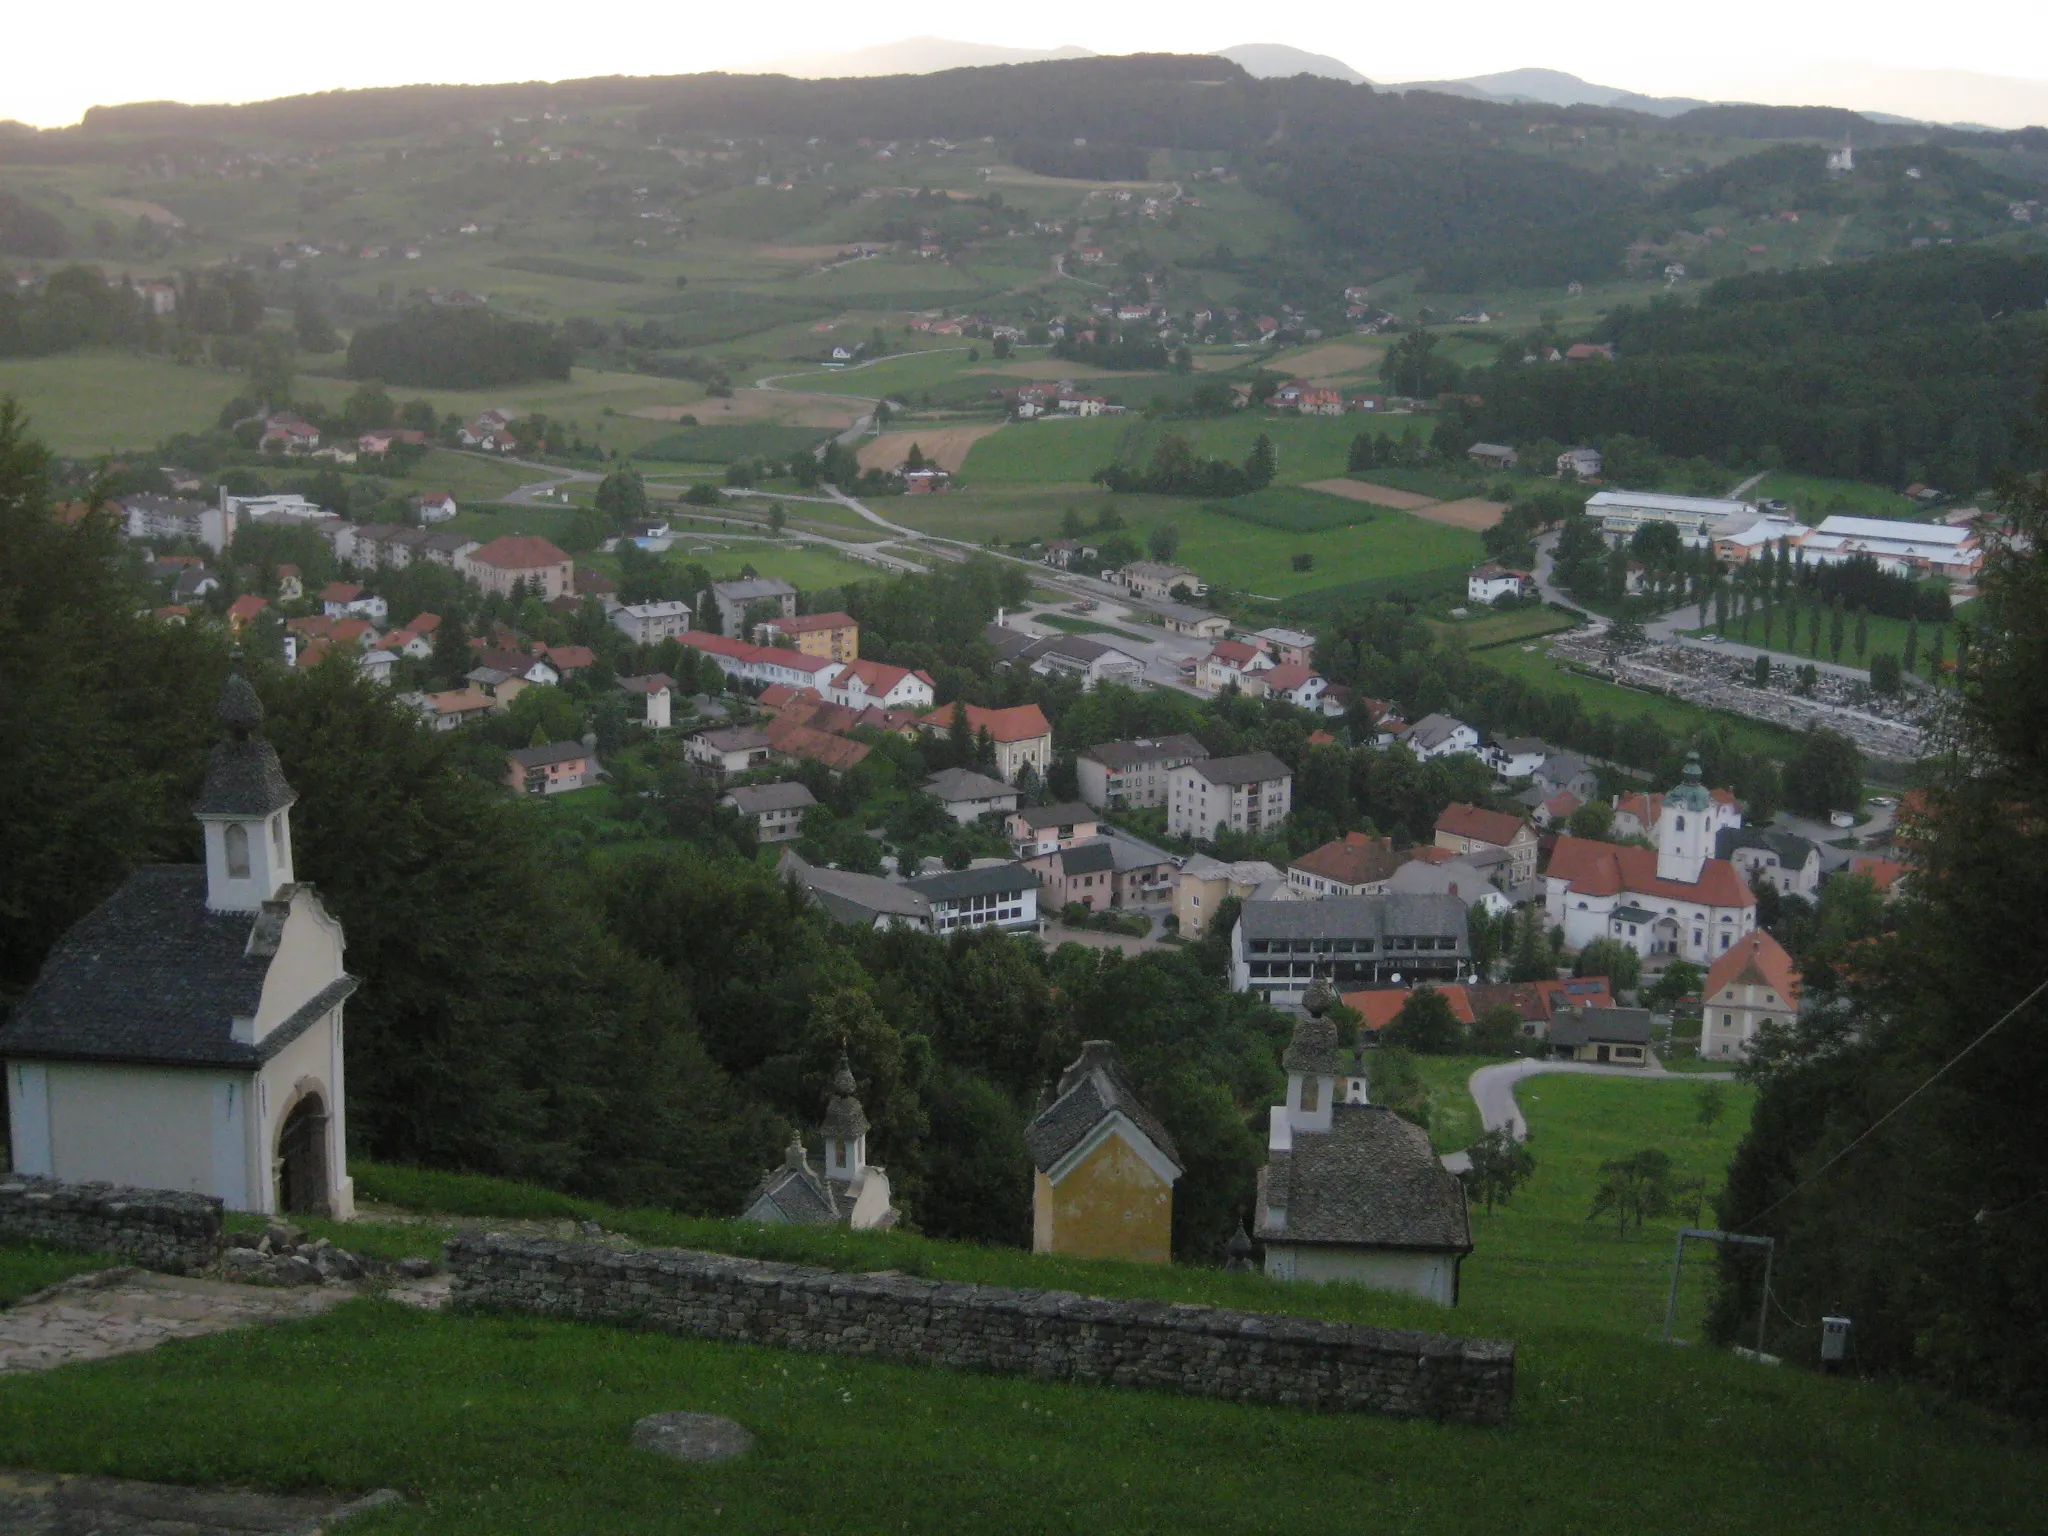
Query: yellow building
column 834, row 636
column 1105, row 1167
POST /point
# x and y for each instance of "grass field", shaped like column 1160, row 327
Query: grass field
column 1813, row 497
column 1675, row 715
column 1491, row 629
column 494, row 1425
column 83, row 404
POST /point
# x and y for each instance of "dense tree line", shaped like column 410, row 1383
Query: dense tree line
column 1902, row 368
column 1925, row 1226
column 442, row 348
column 1080, row 161
column 1175, row 469
column 26, row 230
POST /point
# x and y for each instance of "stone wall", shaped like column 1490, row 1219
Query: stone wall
column 160, row 1229
column 1047, row 1335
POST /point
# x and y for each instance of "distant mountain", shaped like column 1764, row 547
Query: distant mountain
column 910, row 56
column 1277, row 60
column 1552, row 87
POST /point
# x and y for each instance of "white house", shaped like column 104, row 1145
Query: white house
column 1755, row 983
column 1789, row 862
column 1351, row 1191
column 1516, row 757
column 1581, row 463
column 993, row 896
column 1439, row 736
column 777, row 810
column 1077, row 656
column 1116, row 775
column 1488, row 582
column 651, row 623
column 187, row 1033
column 1678, row 900
column 1621, row 513
column 862, row 684
column 968, row 796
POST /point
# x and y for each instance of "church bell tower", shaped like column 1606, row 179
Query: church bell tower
column 245, row 808
column 1685, row 838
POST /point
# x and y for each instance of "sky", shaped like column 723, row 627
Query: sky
column 1880, row 55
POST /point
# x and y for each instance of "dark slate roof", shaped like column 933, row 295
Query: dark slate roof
column 1346, row 917
column 152, row 976
column 1610, row 1026
column 1093, row 857
column 804, row 1199
column 991, row 880
column 1370, row 1181
column 954, row 784
column 1130, row 754
column 1090, row 1090
column 1251, row 768
column 844, row 1118
column 243, row 777
column 848, row 897
column 540, row 757
column 1792, row 850
column 752, row 799
column 1007, row 643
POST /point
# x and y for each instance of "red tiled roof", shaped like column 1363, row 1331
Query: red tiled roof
column 793, row 740
column 876, row 677
column 1020, row 722
column 1882, row 873
column 1287, row 678
column 1353, row 859
column 313, row 624
column 1562, row 805
column 776, row 695
column 247, row 607
column 424, row 623
column 1236, row 652
column 1757, row 959
column 1592, row 868
column 569, row 658
column 1645, row 807
column 340, row 592
column 1380, row 1006
column 518, row 552
column 1479, row 824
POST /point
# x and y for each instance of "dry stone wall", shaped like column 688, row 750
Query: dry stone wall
column 1046, row 1335
column 160, row 1229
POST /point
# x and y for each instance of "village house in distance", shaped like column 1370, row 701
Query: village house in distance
column 186, row 1034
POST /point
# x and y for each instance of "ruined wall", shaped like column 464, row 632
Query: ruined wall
column 1046, row 1335
column 160, row 1229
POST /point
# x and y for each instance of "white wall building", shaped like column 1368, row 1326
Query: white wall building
column 187, row 1033
column 1252, row 793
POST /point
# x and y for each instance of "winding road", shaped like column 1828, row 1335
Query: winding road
column 1493, row 1090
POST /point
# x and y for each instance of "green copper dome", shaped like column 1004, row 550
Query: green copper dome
column 1690, row 795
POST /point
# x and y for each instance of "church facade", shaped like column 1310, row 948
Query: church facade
column 1676, row 900
column 187, row 1033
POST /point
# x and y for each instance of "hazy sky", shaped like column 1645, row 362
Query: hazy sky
column 1773, row 50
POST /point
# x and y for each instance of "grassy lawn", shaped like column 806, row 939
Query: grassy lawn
column 83, row 404
column 1071, row 626
column 1813, row 497
column 23, row 1270
column 1675, row 715
column 1491, row 629
column 514, row 1424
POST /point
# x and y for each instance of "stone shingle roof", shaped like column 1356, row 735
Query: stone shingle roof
column 753, row 799
column 1616, row 1026
column 844, row 1118
column 1094, row 857
column 1370, row 1181
column 152, row 976
column 1130, row 754
column 1090, row 1090
column 1071, row 814
column 991, row 880
column 1355, row 917
column 954, row 784
column 1250, row 768
column 243, row 777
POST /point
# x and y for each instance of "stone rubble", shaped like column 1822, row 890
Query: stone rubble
column 280, row 1255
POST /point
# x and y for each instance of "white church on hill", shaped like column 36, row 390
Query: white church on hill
column 1677, row 900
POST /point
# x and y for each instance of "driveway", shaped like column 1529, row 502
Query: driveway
column 1493, row 1090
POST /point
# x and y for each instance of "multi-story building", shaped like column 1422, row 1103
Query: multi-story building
column 994, row 896
column 776, row 810
column 1352, row 865
column 1755, row 983
column 1120, row 775
column 503, row 563
column 1021, row 735
column 167, row 519
column 1251, row 793
column 734, row 598
column 1149, row 578
column 834, row 636
column 1466, row 828
column 1205, row 884
column 1279, row 947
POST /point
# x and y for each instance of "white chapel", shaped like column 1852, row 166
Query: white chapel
column 187, row 1033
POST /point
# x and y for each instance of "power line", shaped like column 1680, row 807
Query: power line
column 1875, row 1125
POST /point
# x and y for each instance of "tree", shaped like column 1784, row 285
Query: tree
column 1425, row 1025
column 367, row 409
column 1261, row 464
column 1364, row 452
column 1393, row 1080
column 1611, row 958
column 1711, row 1104
column 1634, row 1189
column 1760, row 674
column 1163, row 542
column 1594, row 819
column 1885, row 675
column 310, row 327
column 1533, row 961
column 1500, row 1165
column 1680, row 980
column 1824, row 774
column 1862, row 633
column 1911, row 660
column 1835, row 631
column 1497, row 1031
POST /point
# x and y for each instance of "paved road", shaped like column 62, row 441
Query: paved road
column 1493, row 1090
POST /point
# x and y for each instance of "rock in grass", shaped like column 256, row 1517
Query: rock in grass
column 692, row 1436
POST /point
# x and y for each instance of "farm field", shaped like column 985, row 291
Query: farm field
column 520, row 1424
column 83, row 404
column 947, row 447
column 1490, row 629
column 1814, row 497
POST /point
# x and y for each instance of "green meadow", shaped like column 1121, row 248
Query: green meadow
column 492, row 1424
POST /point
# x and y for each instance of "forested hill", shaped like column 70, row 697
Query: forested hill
column 1910, row 367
